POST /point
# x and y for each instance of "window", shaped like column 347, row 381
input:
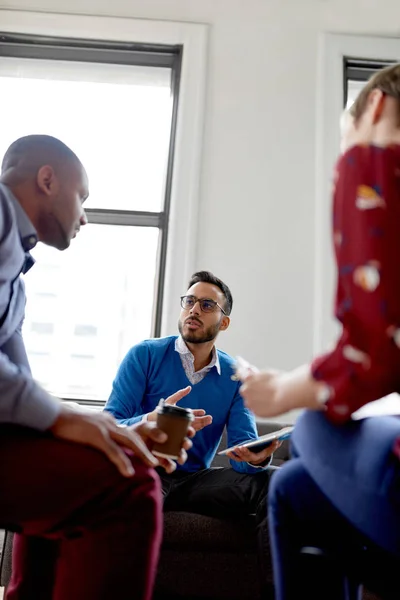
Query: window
column 115, row 105
column 356, row 73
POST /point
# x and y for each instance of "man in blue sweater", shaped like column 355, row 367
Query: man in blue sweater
column 156, row 368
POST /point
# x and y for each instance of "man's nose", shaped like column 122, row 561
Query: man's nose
column 196, row 308
column 83, row 220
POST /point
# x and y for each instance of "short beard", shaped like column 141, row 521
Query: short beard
column 209, row 334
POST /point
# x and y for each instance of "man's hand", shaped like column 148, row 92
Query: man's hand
column 99, row 430
column 242, row 454
column 201, row 420
column 150, row 434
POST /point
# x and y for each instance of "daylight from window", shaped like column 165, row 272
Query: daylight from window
column 88, row 305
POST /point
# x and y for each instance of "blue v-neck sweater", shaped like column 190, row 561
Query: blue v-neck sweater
column 153, row 370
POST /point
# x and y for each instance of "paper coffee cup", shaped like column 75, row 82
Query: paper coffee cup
column 175, row 422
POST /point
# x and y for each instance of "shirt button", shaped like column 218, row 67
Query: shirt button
column 32, row 241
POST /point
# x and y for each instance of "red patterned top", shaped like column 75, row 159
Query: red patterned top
column 365, row 364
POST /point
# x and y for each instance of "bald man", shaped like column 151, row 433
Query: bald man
column 78, row 489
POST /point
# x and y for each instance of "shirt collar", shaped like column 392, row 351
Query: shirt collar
column 181, row 348
column 27, row 232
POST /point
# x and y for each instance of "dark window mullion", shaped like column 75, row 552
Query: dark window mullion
column 95, row 51
column 122, row 217
column 91, row 55
column 87, row 402
column 162, row 250
column 361, row 70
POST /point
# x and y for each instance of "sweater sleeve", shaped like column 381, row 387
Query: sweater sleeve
column 365, row 363
column 129, row 386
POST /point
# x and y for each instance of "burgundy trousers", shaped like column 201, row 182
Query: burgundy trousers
column 84, row 532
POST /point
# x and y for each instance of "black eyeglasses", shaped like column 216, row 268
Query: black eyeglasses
column 206, row 304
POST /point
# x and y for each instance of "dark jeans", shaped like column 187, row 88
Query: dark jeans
column 224, row 494
column 317, row 554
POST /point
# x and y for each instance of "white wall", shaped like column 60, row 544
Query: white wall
column 256, row 221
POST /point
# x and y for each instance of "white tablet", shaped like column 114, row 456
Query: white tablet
column 263, row 441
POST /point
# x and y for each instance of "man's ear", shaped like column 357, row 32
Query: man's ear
column 46, row 180
column 375, row 104
column 225, row 322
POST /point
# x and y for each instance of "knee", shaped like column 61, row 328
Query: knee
column 286, row 482
column 275, row 487
column 146, row 490
column 146, row 487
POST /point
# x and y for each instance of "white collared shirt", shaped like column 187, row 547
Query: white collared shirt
column 187, row 359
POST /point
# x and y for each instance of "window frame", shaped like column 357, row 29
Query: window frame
column 336, row 54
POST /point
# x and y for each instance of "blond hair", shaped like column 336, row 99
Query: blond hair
column 386, row 80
